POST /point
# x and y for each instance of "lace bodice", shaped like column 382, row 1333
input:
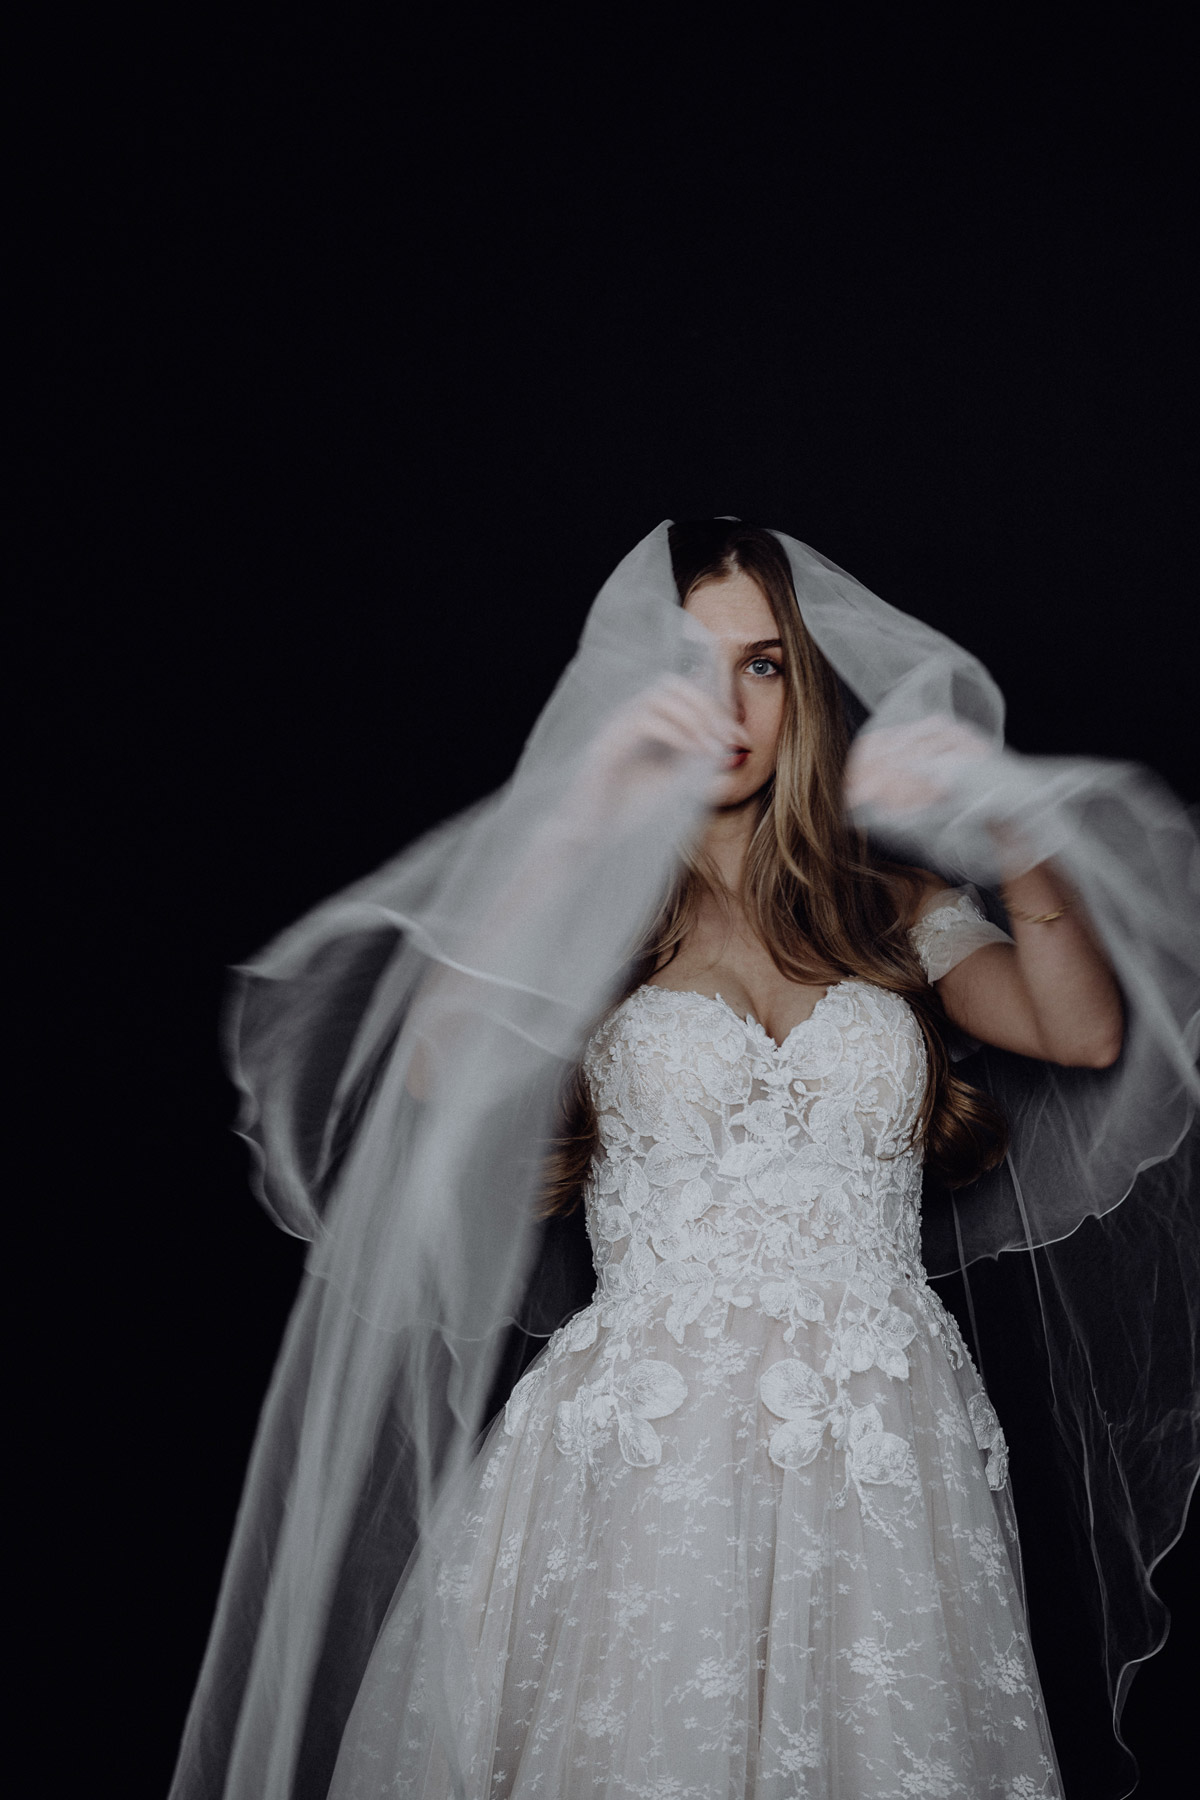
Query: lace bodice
column 731, row 1168
column 783, row 1181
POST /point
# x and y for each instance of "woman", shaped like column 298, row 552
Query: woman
column 743, row 1527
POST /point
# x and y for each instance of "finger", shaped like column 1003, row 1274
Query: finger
column 661, row 726
column 673, row 735
column 661, row 723
column 694, row 695
column 695, row 711
column 702, row 723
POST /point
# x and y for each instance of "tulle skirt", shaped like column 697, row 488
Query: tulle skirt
column 717, row 1569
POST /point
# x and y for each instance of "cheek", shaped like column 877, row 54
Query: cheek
column 768, row 718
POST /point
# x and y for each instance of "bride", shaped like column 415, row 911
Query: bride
column 743, row 1527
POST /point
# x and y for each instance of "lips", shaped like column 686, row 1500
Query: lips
column 736, row 756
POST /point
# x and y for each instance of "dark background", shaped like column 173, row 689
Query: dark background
column 363, row 349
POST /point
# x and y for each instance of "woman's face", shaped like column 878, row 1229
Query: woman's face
column 734, row 610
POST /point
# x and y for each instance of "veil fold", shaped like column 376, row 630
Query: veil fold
column 399, row 1053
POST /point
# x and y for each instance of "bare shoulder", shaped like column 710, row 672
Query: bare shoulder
column 918, row 890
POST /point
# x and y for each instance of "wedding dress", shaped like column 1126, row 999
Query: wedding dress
column 743, row 1539
column 743, row 1527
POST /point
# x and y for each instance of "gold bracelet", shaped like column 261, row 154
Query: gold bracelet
column 1046, row 918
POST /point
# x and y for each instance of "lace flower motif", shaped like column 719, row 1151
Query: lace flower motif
column 796, row 1394
column 989, row 1437
column 875, row 1456
column 629, row 1398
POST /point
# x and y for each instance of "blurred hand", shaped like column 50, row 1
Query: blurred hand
column 905, row 768
column 636, row 758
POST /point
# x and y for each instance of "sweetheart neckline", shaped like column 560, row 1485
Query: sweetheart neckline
column 648, row 987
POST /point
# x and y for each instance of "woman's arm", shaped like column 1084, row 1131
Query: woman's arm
column 1052, row 994
column 632, row 761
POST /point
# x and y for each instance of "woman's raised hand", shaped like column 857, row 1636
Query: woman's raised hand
column 904, row 768
column 635, row 759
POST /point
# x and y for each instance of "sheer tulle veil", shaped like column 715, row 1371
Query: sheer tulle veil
column 399, row 1053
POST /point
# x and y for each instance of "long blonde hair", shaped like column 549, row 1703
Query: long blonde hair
column 822, row 902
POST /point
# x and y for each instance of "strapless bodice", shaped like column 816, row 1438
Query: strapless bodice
column 735, row 1171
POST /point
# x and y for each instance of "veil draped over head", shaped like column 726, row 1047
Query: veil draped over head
column 400, row 1053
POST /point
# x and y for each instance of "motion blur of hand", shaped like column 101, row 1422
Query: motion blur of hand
column 635, row 759
column 902, row 769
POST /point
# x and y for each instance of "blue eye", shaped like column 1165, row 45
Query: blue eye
column 762, row 665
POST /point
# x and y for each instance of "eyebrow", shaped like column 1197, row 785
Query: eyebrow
column 761, row 644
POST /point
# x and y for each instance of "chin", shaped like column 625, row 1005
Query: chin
column 736, row 789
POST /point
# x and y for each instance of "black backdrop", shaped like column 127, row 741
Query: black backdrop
column 364, row 350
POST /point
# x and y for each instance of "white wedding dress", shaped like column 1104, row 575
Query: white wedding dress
column 743, row 1529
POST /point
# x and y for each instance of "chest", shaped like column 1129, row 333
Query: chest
column 683, row 1071
column 741, row 973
